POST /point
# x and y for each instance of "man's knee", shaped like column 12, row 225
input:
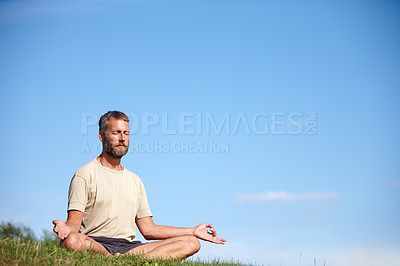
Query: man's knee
column 192, row 244
column 73, row 241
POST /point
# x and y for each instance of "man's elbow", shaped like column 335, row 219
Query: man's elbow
column 147, row 228
column 149, row 236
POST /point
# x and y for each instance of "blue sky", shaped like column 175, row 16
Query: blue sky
column 303, row 96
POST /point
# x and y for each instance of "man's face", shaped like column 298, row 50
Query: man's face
column 116, row 138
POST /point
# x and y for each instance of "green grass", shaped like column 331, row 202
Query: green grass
column 19, row 246
column 33, row 252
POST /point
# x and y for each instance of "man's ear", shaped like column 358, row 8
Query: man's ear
column 101, row 136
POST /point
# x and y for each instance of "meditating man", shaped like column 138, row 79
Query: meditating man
column 106, row 200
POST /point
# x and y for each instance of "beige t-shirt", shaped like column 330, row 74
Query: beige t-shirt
column 111, row 201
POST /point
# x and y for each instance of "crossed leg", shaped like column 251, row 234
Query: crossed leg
column 79, row 242
column 176, row 247
column 173, row 248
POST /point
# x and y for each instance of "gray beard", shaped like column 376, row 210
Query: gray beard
column 110, row 150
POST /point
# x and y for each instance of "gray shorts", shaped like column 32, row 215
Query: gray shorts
column 116, row 245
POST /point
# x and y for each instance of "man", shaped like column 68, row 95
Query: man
column 106, row 200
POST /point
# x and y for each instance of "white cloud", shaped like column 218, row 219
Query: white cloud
column 281, row 196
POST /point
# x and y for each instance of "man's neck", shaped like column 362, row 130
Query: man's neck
column 110, row 162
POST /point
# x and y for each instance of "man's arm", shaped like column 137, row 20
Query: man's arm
column 72, row 225
column 151, row 231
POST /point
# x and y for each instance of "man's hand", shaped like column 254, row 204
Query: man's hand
column 201, row 232
column 61, row 229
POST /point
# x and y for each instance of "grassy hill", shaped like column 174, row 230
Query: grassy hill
column 19, row 246
column 32, row 252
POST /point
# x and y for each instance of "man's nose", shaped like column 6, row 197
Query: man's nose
column 122, row 137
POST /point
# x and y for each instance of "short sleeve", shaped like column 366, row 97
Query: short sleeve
column 143, row 209
column 78, row 194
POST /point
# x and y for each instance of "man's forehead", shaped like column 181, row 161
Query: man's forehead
column 117, row 123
